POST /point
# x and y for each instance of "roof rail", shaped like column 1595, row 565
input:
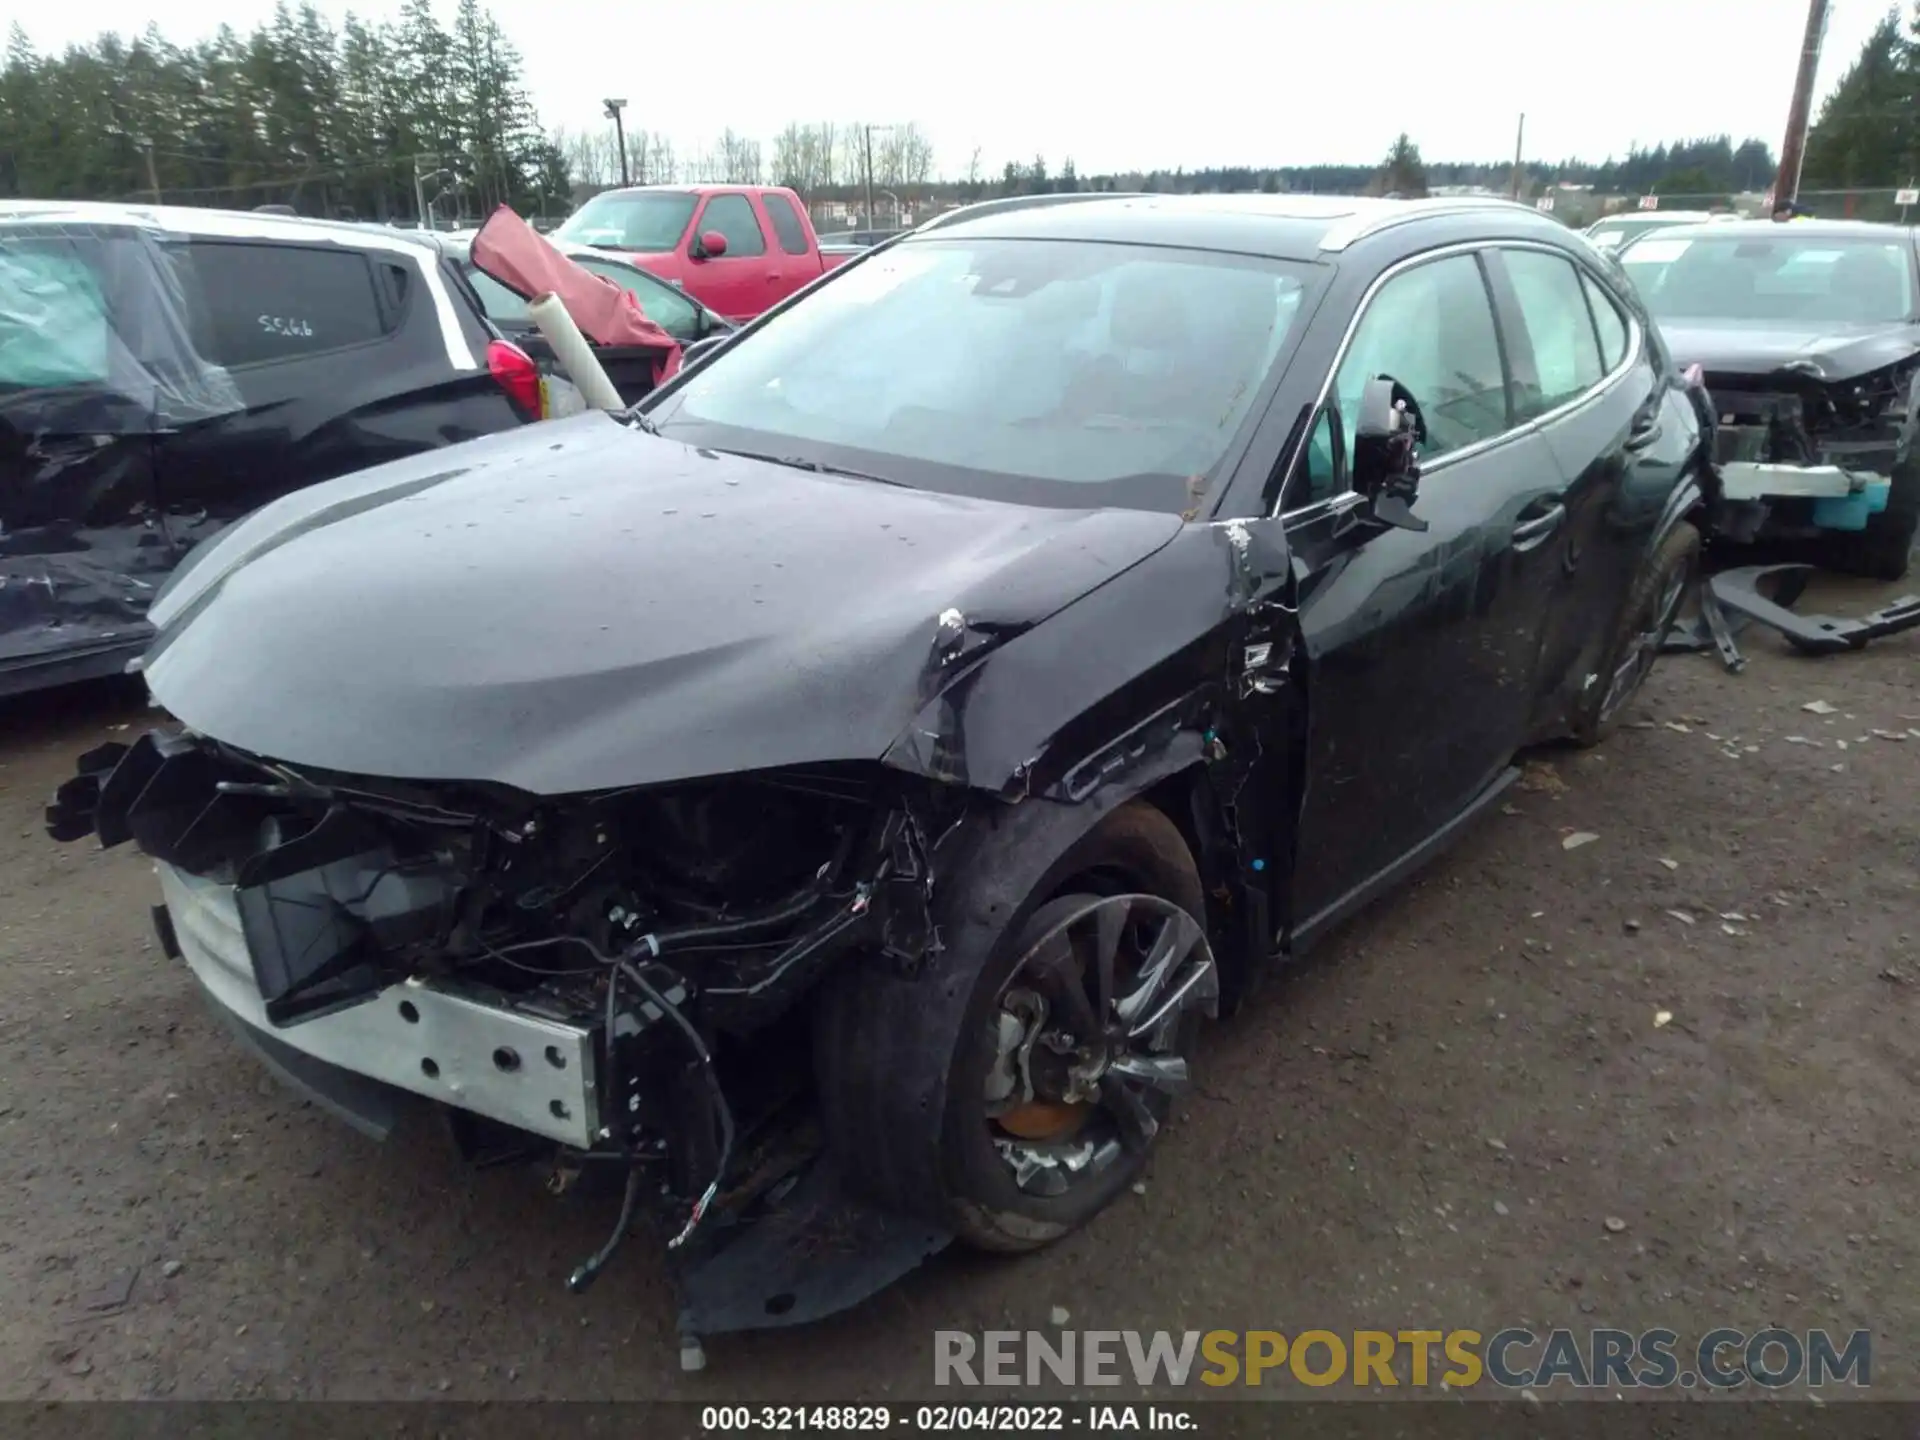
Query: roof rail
column 1390, row 213
column 1005, row 203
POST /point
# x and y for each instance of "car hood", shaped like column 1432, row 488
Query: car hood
column 577, row 605
column 1760, row 347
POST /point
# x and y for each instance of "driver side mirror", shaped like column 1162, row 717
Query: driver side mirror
column 1386, row 468
column 708, row 245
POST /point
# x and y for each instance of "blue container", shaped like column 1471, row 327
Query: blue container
column 1851, row 512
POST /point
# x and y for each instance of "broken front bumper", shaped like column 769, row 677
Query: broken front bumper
column 1833, row 498
column 477, row 1052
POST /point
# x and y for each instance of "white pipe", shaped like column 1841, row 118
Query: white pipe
column 570, row 348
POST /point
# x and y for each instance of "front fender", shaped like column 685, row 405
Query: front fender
column 990, row 873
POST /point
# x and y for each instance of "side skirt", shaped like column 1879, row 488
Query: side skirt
column 1312, row 929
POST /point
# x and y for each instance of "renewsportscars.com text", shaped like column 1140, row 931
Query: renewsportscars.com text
column 1511, row 1359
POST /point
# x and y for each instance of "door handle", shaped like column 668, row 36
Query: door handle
column 1536, row 526
column 1644, row 433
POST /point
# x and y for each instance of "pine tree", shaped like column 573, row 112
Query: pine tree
column 1403, row 173
column 1867, row 133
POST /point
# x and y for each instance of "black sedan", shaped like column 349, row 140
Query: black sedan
column 833, row 793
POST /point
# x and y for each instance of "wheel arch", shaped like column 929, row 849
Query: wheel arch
column 882, row 1039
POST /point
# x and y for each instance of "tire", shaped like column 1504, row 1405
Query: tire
column 872, row 1036
column 1645, row 619
column 1883, row 550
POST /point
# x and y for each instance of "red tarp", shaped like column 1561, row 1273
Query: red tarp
column 525, row 261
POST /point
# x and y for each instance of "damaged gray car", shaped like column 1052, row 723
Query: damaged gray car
column 1808, row 335
column 830, row 796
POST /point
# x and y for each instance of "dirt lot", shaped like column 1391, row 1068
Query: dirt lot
column 1431, row 1125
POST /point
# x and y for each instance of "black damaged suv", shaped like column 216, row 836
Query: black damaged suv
column 833, row 794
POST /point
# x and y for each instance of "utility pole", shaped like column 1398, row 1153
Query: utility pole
column 153, row 174
column 420, row 189
column 867, row 130
column 1519, row 145
column 614, row 107
column 1793, row 150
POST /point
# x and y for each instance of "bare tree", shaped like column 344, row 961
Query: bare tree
column 825, row 136
column 850, row 146
column 789, row 165
column 738, row 159
column 592, row 156
column 915, row 152
column 661, row 168
column 650, row 157
column 803, row 157
column 806, row 157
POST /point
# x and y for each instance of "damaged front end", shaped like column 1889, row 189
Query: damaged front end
column 605, row 978
column 1801, row 453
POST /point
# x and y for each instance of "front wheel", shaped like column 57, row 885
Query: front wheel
column 1644, row 622
column 1073, row 1034
column 1064, row 1083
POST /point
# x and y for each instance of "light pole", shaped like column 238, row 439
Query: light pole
column 614, row 107
column 420, row 179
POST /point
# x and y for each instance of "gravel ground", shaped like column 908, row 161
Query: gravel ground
column 1436, row 1123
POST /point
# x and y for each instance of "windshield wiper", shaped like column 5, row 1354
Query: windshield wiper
column 796, row 462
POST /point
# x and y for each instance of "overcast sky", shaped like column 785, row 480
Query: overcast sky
column 1124, row 84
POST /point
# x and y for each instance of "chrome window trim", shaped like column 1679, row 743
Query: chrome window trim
column 1630, row 357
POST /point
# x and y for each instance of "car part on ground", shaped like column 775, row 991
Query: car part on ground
column 142, row 408
column 847, row 816
column 1767, row 593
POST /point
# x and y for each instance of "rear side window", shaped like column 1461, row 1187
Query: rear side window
column 503, row 307
column 1566, row 352
column 263, row 303
column 1607, row 320
column 786, row 224
column 733, row 217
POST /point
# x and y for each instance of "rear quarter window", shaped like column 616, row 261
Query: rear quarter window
column 262, row 303
column 1608, row 322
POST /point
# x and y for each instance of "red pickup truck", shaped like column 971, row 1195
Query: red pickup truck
column 737, row 249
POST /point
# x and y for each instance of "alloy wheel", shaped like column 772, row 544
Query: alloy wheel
column 1644, row 648
column 1090, row 1032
